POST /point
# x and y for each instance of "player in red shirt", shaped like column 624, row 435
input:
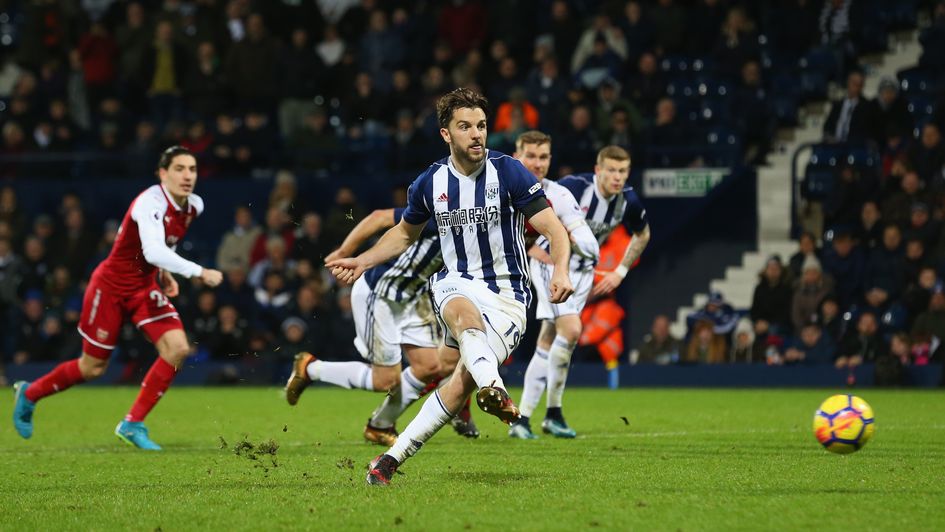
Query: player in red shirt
column 126, row 286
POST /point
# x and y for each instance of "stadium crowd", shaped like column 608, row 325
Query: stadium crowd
column 309, row 90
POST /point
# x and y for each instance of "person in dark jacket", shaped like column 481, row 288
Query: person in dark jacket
column 864, row 344
column 771, row 303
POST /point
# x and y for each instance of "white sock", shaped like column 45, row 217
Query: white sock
column 394, row 404
column 345, row 374
column 431, row 418
column 559, row 361
column 479, row 359
column 536, row 376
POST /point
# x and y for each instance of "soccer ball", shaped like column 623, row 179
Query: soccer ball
column 843, row 424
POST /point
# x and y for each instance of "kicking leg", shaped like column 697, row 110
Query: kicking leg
column 60, row 379
column 436, row 411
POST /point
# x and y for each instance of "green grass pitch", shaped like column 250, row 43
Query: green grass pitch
column 686, row 460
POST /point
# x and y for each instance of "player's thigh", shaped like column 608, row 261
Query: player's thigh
column 545, row 310
column 455, row 302
column 100, row 321
column 154, row 314
column 448, row 357
column 378, row 336
column 505, row 324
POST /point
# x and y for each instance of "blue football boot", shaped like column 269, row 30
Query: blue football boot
column 22, row 410
column 135, row 433
column 557, row 428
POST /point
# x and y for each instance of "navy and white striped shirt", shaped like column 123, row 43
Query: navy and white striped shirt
column 403, row 278
column 602, row 215
column 480, row 220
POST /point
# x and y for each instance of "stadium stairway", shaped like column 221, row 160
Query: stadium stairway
column 774, row 183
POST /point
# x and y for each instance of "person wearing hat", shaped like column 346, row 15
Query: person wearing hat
column 812, row 287
column 892, row 113
column 716, row 310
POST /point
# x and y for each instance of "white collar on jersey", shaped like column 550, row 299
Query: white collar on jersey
column 476, row 172
column 170, row 198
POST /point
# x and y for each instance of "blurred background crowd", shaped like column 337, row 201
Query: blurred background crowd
column 338, row 95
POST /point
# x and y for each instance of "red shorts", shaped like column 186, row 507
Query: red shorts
column 104, row 310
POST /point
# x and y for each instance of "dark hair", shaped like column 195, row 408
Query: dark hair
column 459, row 99
column 167, row 156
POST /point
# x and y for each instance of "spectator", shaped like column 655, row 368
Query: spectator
column 366, row 107
column 845, row 203
column 314, row 142
column 659, row 346
column 884, row 267
column 928, row 157
column 411, row 148
column 898, row 207
column 300, row 70
column 669, row 26
column 745, row 348
column 737, row 44
column 667, row 136
column 75, row 245
column 579, row 143
column 382, row 49
column 647, row 86
column 916, row 258
column 292, row 340
column 462, row 25
column 811, row 346
column 341, row 325
column 272, row 299
column 812, row 287
column 722, row 316
column 922, row 226
column 845, row 261
column 204, row 323
column 831, row 320
column 11, row 213
column 602, row 63
column 232, row 335
column 918, row 293
column 35, row 265
column 342, row 216
column 11, row 276
column 807, row 247
column 563, row 29
column 285, row 196
column 931, row 323
column 277, row 225
column 277, row 260
column 771, row 302
column 638, row 31
column 852, row 118
column 31, row 341
column 705, row 346
column 864, row 344
column 164, row 69
column 871, row 228
column 251, row 65
column 547, row 91
column 892, row 112
column 237, row 243
column 236, row 292
column 309, row 243
column 205, row 86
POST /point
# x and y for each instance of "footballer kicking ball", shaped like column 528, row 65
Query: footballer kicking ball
column 844, row 423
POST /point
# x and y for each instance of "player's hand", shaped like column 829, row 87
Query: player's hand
column 540, row 255
column 561, row 288
column 346, row 270
column 340, row 253
column 210, row 277
column 169, row 283
column 608, row 283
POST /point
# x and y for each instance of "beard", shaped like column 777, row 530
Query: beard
column 466, row 157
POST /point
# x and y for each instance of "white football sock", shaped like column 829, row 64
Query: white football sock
column 395, row 403
column 479, row 359
column 559, row 361
column 536, row 376
column 431, row 418
column 345, row 374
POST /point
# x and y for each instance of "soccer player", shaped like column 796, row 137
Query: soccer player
column 479, row 200
column 393, row 312
column 126, row 286
column 606, row 201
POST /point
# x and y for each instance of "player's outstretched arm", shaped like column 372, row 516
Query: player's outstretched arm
column 157, row 253
column 546, row 223
column 394, row 242
column 612, row 280
column 371, row 225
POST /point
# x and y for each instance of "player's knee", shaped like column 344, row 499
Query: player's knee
column 92, row 368
column 385, row 381
column 176, row 353
column 571, row 332
column 427, row 369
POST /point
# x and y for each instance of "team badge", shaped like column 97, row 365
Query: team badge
column 102, row 335
column 492, row 191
